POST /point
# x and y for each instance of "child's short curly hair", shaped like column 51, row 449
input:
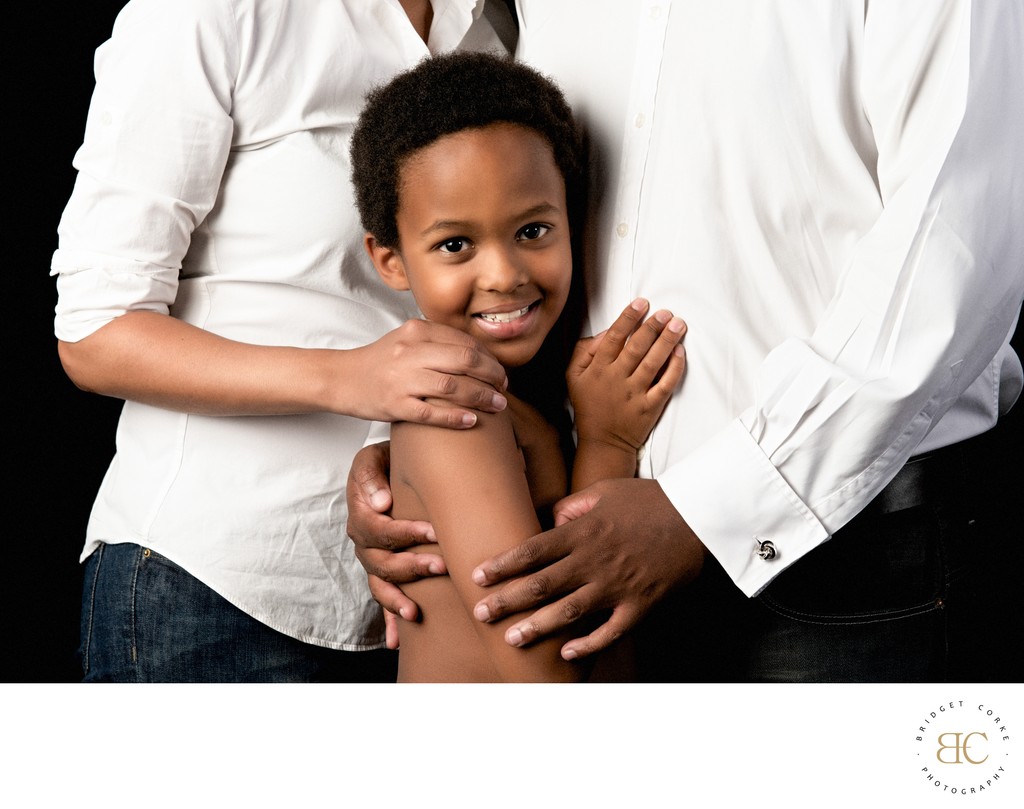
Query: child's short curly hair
column 447, row 94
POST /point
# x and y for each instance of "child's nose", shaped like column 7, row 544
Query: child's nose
column 502, row 272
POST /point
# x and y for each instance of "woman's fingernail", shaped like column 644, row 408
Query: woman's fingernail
column 515, row 637
column 639, row 304
column 481, row 613
column 379, row 500
column 468, row 419
column 676, row 325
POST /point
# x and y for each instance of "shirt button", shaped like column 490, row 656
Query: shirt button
column 640, row 120
column 655, row 12
column 622, row 230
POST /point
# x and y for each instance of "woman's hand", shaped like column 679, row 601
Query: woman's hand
column 391, row 378
column 159, row 360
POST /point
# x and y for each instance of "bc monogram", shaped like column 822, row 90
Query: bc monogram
column 964, row 746
column 961, row 747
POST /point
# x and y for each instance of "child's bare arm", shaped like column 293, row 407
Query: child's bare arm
column 473, row 489
column 619, row 382
column 542, row 451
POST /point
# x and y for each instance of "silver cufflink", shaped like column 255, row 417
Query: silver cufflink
column 765, row 549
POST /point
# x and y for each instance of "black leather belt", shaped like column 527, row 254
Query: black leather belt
column 928, row 478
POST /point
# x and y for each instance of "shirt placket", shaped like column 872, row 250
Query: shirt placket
column 637, row 135
column 636, row 140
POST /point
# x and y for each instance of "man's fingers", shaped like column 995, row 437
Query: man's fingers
column 529, row 592
column 400, row 567
column 390, row 630
column 368, row 478
column 618, row 624
column 518, row 560
column 392, row 599
column 381, row 531
column 565, row 612
column 552, row 618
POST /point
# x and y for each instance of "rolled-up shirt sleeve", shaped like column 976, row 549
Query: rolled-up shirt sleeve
column 921, row 312
column 156, row 141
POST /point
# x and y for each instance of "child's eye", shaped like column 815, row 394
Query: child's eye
column 532, row 231
column 456, row 245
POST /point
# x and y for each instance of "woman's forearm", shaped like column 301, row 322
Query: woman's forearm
column 159, row 360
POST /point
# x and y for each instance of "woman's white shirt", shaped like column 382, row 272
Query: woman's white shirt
column 213, row 184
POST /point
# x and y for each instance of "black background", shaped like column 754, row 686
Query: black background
column 63, row 438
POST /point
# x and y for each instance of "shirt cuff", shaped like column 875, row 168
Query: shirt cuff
column 735, row 501
column 379, row 431
column 90, row 297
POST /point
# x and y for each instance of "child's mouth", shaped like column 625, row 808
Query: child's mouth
column 508, row 325
column 505, row 317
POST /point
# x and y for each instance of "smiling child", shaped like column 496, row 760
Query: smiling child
column 468, row 175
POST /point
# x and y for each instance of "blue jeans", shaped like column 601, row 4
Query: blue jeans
column 924, row 593
column 144, row 619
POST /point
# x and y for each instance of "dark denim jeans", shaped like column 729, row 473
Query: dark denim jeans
column 144, row 619
column 921, row 594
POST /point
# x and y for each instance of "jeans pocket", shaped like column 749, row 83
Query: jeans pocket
column 107, row 648
column 878, row 568
column 90, row 582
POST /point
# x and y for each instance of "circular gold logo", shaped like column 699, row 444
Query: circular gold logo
column 963, row 748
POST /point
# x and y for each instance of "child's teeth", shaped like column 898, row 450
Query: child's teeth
column 505, row 317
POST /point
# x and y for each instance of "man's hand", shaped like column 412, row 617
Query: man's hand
column 618, row 545
column 380, row 540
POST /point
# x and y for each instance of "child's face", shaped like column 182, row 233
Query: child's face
column 484, row 237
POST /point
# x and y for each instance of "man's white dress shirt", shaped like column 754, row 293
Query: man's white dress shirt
column 832, row 196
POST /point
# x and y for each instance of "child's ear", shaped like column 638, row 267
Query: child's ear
column 388, row 262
